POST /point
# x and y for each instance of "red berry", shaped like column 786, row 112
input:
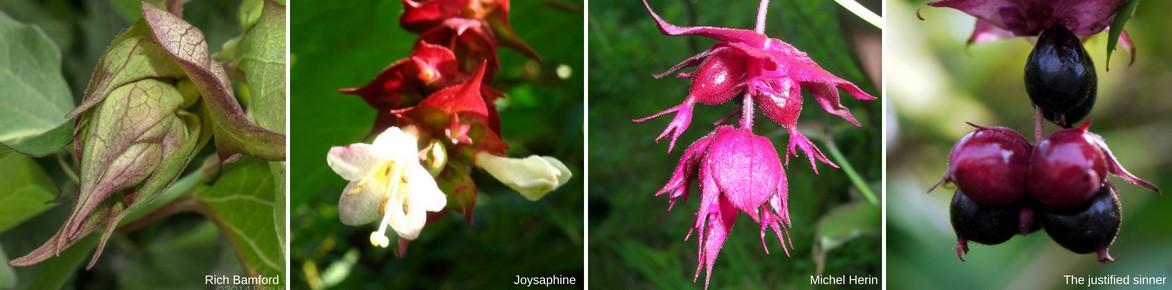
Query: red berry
column 990, row 165
column 1066, row 169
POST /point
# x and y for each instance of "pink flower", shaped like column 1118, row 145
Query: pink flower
column 767, row 71
column 1000, row 19
column 737, row 171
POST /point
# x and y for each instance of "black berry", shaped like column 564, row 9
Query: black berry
column 989, row 225
column 1060, row 77
column 1089, row 228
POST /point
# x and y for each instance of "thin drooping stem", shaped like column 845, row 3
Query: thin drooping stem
column 862, row 12
column 853, row 175
column 747, row 112
column 67, row 169
column 761, row 16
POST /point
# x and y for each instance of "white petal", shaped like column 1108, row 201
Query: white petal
column 393, row 144
column 425, row 194
column 416, row 219
column 422, row 195
column 353, row 162
column 564, row 173
column 533, row 176
column 398, row 219
column 360, row 207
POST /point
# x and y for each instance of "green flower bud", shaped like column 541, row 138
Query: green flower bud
column 435, row 157
column 153, row 101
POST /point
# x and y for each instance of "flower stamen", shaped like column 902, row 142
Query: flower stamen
column 395, row 172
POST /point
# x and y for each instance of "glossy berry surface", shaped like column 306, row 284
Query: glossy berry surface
column 988, row 225
column 990, row 165
column 1066, row 169
column 1088, row 229
column 1060, row 77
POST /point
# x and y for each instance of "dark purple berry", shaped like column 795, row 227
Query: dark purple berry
column 990, row 165
column 989, row 225
column 1073, row 116
column 1060, row 77
column 1089, row 228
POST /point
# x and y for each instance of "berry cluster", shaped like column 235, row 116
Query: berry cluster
column 1007, row 186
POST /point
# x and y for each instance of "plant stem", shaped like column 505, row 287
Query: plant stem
column 747, row 112
column 862, row 12
column 854, row 176
column 761, row 16
column 68, row 169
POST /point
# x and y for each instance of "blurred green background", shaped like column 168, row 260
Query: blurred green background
column 341, row 44
column 635, row 243
column 177, row 251
column 936, row 84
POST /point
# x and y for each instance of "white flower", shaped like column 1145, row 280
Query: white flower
column 386, row 179
column 533, row 176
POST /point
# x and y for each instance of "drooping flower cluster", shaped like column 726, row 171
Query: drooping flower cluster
column 436, row 118
column 738, row 170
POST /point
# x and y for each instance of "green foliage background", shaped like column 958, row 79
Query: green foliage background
column 340, row 44
column 936, row 84
column 634, row 241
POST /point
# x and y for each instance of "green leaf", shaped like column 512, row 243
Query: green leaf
column 843, row 224
column 1126, row 10
column 36, row 97
column 261, row 57
column 250, row 12
column 25, row 190
column 241, row 203
column 45, row 143
column 651, row 264
column 156, row 263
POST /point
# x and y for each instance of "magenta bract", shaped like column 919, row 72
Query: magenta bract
column 737, row 171
column 769, row 70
